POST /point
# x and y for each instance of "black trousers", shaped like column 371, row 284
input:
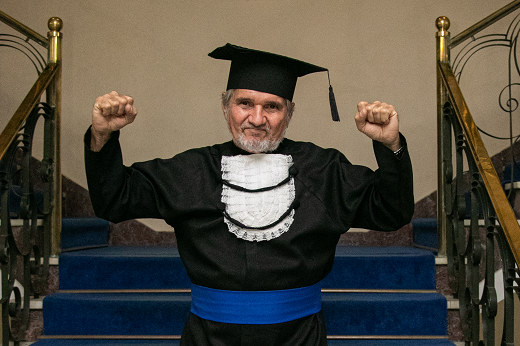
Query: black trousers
column 305, row 331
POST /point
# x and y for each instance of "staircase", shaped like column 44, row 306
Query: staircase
column 425, row 226
column 133, row 295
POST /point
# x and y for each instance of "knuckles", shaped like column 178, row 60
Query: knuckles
column 375, row 112
column 375, row 107
column 113, row 103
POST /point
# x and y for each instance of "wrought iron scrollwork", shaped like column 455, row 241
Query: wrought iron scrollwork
column 23, row 247
column 30, row 196
column 476, row 250
column 507, row 100
column 476, row 245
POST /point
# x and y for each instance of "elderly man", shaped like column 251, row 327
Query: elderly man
column 258, row 218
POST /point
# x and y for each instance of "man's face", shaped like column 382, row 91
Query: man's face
column 257, row 121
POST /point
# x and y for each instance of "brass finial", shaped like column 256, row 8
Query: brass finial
column 55, row 24
column 442, row 23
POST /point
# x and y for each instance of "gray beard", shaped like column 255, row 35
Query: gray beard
column 257, row 146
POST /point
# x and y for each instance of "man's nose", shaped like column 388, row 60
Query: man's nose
column 257, row 117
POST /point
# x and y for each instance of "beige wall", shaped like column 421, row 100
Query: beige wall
column 157, row 51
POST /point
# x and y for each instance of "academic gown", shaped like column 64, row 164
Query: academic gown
column 333, row 196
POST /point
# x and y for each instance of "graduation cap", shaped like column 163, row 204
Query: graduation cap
column 267, row 72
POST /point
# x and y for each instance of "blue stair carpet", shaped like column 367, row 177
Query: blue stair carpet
column 165, row 314
column 161, row 268
column 425, row 232
column 358, row 267
column 156, row 314
column 83, row 233
column 123, row 268
column 385, row 314
column 115, row 314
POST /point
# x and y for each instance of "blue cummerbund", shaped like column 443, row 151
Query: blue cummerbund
column 255, row 307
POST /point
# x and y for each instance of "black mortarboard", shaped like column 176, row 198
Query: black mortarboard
column 267, row 72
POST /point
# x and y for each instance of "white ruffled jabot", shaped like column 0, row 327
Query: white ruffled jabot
column 258, row 209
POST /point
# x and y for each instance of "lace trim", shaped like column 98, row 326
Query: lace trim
column 255, row 235
column 258, row 209
column 261, row 208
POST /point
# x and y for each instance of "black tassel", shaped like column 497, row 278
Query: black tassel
column 332, row 101
column 333, row 107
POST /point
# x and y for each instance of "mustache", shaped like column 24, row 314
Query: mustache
column 248, row 125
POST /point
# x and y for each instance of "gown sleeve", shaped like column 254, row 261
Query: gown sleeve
column 355, row 196
column 117, row 193
column 388, row 202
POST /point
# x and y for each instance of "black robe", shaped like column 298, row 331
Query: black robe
column 333, row 194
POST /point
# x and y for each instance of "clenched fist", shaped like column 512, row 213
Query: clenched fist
column 379, row 121
column 111, row 113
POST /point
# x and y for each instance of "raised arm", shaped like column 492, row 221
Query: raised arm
column 117, row 192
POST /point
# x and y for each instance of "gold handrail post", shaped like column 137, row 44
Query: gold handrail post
column 443, row 55
column 53, row 94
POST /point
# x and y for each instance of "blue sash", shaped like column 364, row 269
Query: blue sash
column 255, row 307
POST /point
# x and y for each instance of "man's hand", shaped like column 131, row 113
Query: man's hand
column 379, row 121
column 111, row 112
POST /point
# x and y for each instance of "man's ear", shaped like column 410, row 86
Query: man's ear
column 291, row 112
column 223, row 106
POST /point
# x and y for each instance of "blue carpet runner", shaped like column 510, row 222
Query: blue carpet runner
column 158, row 313
column 165, row 313
column 425, row 233
column 83, row 233
column 358, row 267
column 137, row 268
column 161, row 268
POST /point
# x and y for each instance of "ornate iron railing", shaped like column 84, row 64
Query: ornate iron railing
column 490, row 240
column 30, row 204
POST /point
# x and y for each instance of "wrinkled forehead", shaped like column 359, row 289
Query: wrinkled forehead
column 254, row 96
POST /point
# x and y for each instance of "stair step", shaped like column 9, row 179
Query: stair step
column 161, row 268
column 84, row 342
column 148, row 317
column 165, row 313
column 385, row 314
column 123, row 268
column 115, row 314
column 81, row 233
column 425, row 233
column 388, row 268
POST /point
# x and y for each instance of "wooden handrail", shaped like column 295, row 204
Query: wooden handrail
column 10, row 132
column 33, row 35
column 484, row 23
column 503, row 210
